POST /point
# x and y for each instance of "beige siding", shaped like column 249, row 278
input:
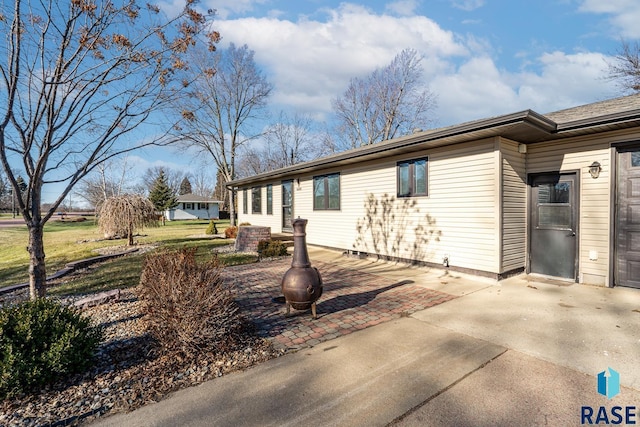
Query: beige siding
column 457, row 219
column 514, row 206
column 594, row 207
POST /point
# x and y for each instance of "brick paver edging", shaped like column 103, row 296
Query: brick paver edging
column 351, row 300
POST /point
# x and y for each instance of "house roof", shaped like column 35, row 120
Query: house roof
column 194, row 198
column 524, row 126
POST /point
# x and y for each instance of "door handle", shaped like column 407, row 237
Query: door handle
column 572, row 234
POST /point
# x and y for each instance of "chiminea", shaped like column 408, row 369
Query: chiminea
column 301, row 284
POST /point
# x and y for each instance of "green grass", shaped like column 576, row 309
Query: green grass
column 71, row 241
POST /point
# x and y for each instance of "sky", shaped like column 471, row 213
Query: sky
column 481, row 57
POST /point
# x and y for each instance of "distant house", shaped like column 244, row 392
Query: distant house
column 554, row 194
column 191, row 206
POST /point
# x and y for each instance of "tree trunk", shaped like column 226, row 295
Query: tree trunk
column 37, row 269
column 232, row 207
column 130, row 234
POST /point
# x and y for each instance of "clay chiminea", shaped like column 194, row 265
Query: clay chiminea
column 301, row 284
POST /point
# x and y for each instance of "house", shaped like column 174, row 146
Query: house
column 191, row 206
column 553, row 194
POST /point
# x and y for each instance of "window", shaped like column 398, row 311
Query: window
column 256, row 200
column 245, row 210
column 269, row 199
column 326, row 192
column 412, row 178
column 188, row 206
column 203, row 206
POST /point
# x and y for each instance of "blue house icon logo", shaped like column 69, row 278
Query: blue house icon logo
column 609, row 383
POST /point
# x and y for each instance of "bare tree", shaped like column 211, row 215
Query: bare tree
column 287, row 142
column 123, row 215
column 173, row 177
column 229, row 94
column 111, row 178
column 202, row 182
column 625, row 69
column 390, row 102
column 78, row 77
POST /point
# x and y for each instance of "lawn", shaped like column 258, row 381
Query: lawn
column 70, row 241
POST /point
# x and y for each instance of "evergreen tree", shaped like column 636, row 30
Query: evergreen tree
column 185, row 186
column 161, row 195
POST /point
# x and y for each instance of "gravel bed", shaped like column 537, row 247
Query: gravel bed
column 128, row 372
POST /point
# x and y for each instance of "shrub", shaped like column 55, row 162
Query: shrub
column 231, row 232
column 42, row 341
column 187, row 305
column 243, row 224
column 271, row 248
column 211, row 228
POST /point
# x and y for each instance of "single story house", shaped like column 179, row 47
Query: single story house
column 553, row 194
column 191, row 206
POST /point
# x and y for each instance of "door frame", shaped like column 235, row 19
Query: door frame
column 284, row 227
column 531, row 204
column 616, row 148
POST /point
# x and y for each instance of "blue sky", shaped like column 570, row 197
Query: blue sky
column 481, row 57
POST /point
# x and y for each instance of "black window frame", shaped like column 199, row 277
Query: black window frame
column 326, row 197
column 269, row 199
column 411, row 168
column 256, row 200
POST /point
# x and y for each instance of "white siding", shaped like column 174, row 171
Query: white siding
column 275, row 220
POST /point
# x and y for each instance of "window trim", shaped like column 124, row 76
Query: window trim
column 269, row 199
column 412, row 177
column 245, row 208
column 256, row 200
column 326, row 197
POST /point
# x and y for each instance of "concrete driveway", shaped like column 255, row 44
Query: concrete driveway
column 521, row 352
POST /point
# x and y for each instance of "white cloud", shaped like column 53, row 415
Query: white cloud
column 624, row 15
column 311, row 61
column 467, row 5
column 402, row 7
column 478, row 89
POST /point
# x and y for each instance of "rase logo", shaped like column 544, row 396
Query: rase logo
column 609, row 386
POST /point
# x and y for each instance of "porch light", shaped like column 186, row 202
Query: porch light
column 594, row 170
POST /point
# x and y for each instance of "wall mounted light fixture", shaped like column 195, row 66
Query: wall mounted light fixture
column 594, row 170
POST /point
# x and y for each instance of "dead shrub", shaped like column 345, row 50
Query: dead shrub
column 231, row 232
column 187, row 305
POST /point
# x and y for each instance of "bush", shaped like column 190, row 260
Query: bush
column 244, row 224
column 42, row 341
column 231, row 232
column 271, row 248
column 187, row 305
column 211, row 228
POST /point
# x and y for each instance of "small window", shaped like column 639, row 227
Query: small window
column 204, row 206
column 413, row 178
column 245, row 209
column 188, row 206
column 326, row 192
column 269, row 199
column 256, row 200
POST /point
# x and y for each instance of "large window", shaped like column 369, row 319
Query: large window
column 256, row 200
column 326, row 192
column 245, row 210
column 269, row 199
column 412, row 177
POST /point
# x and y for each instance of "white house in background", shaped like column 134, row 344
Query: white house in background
column 191, row 206
column 555, row 194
